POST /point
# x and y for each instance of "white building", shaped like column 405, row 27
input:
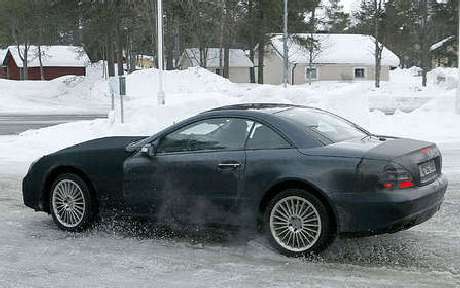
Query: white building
column 239, row 64
column 338, row 57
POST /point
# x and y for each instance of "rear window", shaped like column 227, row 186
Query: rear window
column 323, row 124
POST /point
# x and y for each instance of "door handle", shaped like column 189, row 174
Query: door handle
column 232, row 165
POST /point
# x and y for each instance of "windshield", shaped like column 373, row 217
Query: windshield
column 323, row 124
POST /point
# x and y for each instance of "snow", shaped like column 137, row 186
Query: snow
column 446, row 77
column 2, row 55
column 68, row 94
column 124, row 252
column 337, row 49
column 441, row 43
column 52, row 56
column 238, row 57
column 350, row 6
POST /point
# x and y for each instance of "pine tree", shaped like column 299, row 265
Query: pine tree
column 337, row 20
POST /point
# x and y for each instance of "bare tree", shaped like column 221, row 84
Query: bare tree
column 202, row 18
column 40, row 60
column 424, row 37
column 371, row 17
column 23, row 53
column 17, row 16
column 379, row 10
column 314, row 45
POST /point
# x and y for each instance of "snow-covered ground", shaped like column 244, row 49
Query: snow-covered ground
column 65, row 95
column 195, row 90
column 33, row 253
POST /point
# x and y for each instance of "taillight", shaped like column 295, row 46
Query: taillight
column 396, row 177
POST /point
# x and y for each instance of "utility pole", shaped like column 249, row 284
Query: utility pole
column 161, row 93
column 285, row 46
column 221, row 39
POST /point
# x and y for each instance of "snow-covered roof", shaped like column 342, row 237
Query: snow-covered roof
column 237, row 57
column 2, row 55
column 52, row 56
column 441, row 43
column 336, row 49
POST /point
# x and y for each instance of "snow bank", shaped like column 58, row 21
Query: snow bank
column 68, row 94
column 444, row 77
column 435, row 121
column 432, row 108
column 195, row 90
column 144, row 83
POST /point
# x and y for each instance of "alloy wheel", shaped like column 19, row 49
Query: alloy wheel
column 69, row 203
column 295, row 223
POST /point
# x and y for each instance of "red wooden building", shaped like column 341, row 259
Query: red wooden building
column 57, row 61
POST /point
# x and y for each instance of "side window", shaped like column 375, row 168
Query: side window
column 263, row 137
column 312, row 73
column 211, row 134
column 360, row 73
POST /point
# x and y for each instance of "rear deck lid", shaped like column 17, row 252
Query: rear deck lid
column 422, row 159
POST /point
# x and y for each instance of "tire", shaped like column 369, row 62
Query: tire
column 298, row 224
column 71, row 203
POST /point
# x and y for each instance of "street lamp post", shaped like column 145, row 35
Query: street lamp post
column 458, row 63
column 161, row 93
column 285, row 46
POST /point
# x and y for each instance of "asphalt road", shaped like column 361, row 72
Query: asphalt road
column 34, row 253
column 17, row 123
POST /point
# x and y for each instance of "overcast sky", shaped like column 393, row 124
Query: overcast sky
column 349, row 5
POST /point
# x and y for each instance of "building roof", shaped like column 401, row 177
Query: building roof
column 52, row 56
column 2, row 55
column 441, row 43
column 237, row 57
column 355, row 49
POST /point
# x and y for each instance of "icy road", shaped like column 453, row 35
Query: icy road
column 34, row 253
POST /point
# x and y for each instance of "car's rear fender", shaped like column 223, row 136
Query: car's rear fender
column 297, row 183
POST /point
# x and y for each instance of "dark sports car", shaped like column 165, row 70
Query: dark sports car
column 298, row 174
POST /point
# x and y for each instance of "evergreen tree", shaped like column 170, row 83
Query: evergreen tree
column 337, row 21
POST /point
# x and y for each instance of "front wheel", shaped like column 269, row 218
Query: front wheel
column 298, row 223
column 71, row 203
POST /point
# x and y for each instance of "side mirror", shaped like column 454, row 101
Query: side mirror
column 149, row 149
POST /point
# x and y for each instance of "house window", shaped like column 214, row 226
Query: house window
column 312, row 73
column 360, row 73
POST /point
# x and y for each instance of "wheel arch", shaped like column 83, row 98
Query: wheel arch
column 297, row 184
column 53, row 174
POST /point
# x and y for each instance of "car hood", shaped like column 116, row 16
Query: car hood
column 106, row 143
column 378, row 148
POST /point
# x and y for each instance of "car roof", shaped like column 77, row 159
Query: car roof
column 269, row 108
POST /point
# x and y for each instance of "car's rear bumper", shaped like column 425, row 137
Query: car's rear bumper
column 388, row 211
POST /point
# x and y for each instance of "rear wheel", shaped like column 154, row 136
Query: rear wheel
column 297, row 223
column 71, row 203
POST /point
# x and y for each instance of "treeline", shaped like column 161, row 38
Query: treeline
column 409, row 28
column 117, row 30
column 113, row 30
